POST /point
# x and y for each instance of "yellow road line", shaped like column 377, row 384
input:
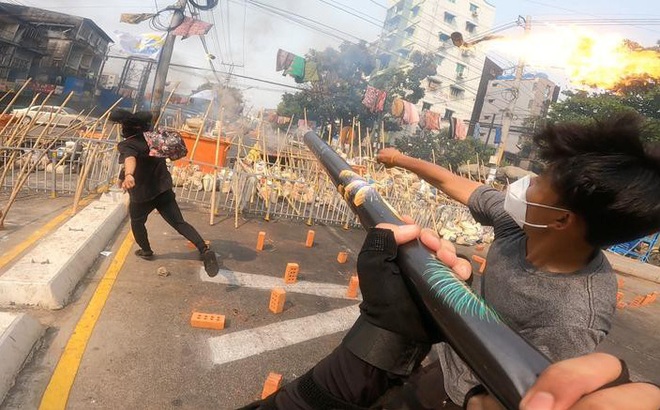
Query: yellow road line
column 57, row 393
column 14, row 252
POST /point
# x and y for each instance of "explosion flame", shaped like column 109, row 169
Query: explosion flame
column 588, row 59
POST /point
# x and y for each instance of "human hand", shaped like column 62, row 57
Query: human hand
column 388, row 156
column 574, row 384
column 387, row 301
column 443, row 250
column 129, row 182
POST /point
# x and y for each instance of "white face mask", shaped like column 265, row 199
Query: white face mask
column 515, row 202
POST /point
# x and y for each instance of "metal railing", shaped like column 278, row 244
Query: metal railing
column 59, row 171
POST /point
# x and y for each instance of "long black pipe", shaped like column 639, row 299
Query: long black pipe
column 506, row 364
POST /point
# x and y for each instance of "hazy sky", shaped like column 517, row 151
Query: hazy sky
column 250, row 37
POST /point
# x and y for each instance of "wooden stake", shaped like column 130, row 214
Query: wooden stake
column 215, row 167
column 199, row 133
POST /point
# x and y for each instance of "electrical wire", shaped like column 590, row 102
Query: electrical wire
column 210, row 4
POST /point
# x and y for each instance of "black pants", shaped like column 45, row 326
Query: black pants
column 166, row 205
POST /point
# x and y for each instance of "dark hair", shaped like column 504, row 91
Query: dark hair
column 132, row 123
column 603, row 172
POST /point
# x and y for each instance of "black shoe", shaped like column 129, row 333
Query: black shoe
column 146, row 255
column 210, row 262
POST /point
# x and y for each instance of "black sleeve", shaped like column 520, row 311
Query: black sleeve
column 339, row 381
column 127, row 149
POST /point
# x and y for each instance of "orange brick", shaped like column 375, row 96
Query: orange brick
column 353, row 286
column 650, row 298
column 192, row 245
column 621, row 305
column 481, row 261
column 342, row 257
column 271, row 385
column 637, row 302
column 277, row 299
column 310, row 238
column 619, row 282
column 261, row 238
column 291, row 273
column 619, row 296
column 207, row 321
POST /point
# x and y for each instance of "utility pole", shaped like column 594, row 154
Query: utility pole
column 164, row 65
column 508, row 112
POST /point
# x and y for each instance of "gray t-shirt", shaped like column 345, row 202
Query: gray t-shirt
column 563, row 315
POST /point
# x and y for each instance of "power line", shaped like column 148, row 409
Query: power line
column 239, row 76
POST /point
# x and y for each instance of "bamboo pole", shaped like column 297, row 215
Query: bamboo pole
column 25, row 172
column 199, row 133
column 160, row 114
column 359, row 129
column 13, row 100
column 215, row 167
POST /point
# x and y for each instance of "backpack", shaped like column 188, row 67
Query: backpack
column 166, row 144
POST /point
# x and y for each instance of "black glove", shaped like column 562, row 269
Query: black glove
column 392, row 333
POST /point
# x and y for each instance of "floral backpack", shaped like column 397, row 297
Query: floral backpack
column 166, row 144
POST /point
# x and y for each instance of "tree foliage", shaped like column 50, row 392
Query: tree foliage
column 345, row 74
column 448, row 151
column 639, row 95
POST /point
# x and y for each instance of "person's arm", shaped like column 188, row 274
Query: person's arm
column 389, row 339
column 129, row 171
column 593, row 381
column 457, row 187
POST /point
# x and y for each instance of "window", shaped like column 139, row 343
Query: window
column 439, row 59
column 448, row 114
column 486, row 117
column 531, row 103
column 474, row 8
column 415, row 11
column 444, row 38
column 410, row 31
column 460, row 70
column 470, row 27
column 426, row 106
column 456, row 92
column 452, row 1
column 491, row 100
column 450, row 18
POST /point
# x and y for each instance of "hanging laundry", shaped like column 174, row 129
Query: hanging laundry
column 410, row 114
column 309, row 124
column 380, row 104
column 374, row 99
column 284, row 60
column 191, row 27
column 477, row 131
column 297, row 68
column 460, row 130
column 397, row 107
column 283, row 120
column 131, row 18
column 311, row 72
column 431, row 121
column 498, row 135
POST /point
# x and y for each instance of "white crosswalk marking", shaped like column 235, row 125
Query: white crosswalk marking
column 246, row 343
column 250, row 280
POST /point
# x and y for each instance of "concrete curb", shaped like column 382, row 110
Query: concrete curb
column 47, row 275
column 632, row 267
column 18, row 335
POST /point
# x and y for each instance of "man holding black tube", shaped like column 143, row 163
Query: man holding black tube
column 546, row 274
column 389, row 340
